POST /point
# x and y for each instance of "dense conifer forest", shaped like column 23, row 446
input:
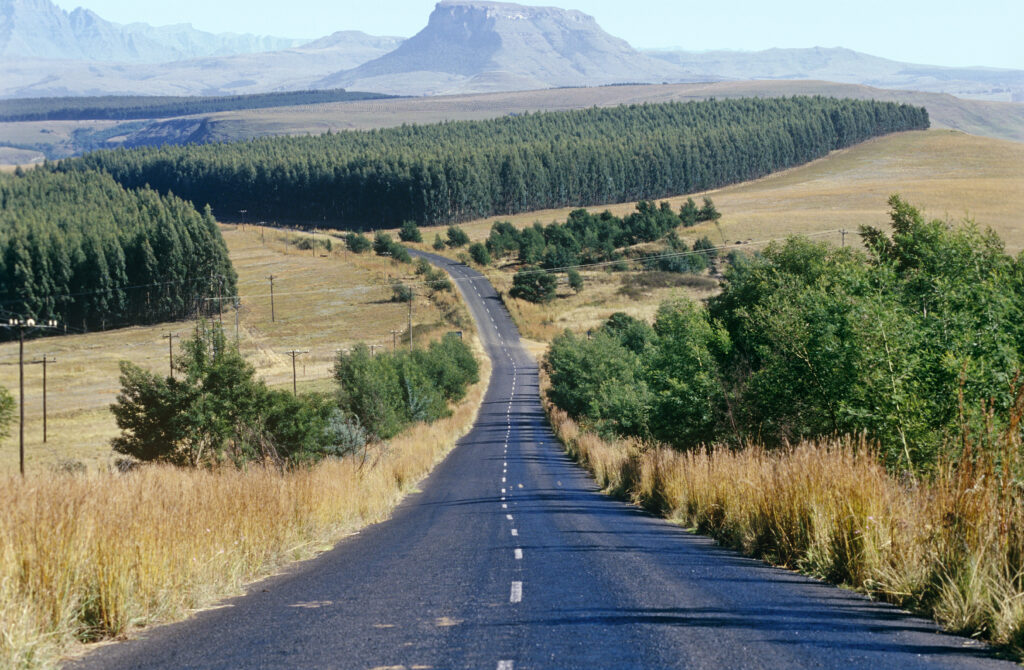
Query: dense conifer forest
column 123, row 107
column 458, row 171
column 80, row 248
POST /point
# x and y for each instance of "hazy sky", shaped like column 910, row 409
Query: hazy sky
column 938, row 32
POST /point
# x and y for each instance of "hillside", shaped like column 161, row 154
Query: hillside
column 990, row 119
column 470, row 46
column 947, row 174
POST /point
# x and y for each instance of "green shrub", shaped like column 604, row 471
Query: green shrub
column 410, row 232
column 457, row 237
column 534, row 285
column 216, row 411
column 478, row 252
column 357, row 243
column 387, row 392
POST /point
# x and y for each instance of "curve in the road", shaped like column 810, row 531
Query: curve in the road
column 510, row 558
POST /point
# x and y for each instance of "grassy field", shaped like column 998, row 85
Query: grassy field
column 993, row 119
column 946, row 173
column 90, row 558
column 990, row 119
column 323, row 302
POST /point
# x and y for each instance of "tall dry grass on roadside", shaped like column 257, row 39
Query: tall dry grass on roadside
column 950, row 546
column 85, row 558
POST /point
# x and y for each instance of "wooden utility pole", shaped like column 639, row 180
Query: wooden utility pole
column 411, row 298
column 843, row 233
column 22, row 325
column 46, row 359
column 294, row 353
column 271, row 278
column 394, row 339
column 170, row 351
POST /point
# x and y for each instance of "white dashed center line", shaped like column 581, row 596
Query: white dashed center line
column 505, row 665
column 517, row 592
column 515, row 533
column 518, row 553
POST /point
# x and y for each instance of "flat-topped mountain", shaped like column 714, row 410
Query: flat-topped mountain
column 470, row 45
column 40, row 29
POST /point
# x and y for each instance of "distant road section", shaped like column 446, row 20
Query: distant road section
column 510, row 558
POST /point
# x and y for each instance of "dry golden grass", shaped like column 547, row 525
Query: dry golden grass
column 89, row 557
column 951, row 547
column 994, row 119
column 321, row 304
column 947, row 174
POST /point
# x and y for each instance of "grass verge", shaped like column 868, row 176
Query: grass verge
column 84, row 558
column 951, row 547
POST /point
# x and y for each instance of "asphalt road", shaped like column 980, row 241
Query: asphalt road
column 510, row 558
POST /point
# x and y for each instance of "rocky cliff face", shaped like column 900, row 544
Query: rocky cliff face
column 467, row 43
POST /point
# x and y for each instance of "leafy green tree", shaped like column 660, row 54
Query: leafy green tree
column 216, row 412
column 688, row 399
column 438, row 243
column 599, row 380
column 575, row 280
column 478, row 252
column 401, row 293
column 688, row 213
column 357, row 243
column 410, row 232
column 534, row 285
column 383, row 244
column 708, row 212
column 457, row 237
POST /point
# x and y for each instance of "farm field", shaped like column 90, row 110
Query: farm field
column 994, row 119
column 947, row 174
column 323, row 302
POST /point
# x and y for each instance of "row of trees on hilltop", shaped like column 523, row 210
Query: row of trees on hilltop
column 81, row 248
column 457, row 171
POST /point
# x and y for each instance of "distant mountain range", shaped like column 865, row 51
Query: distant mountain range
column 41, row 29
column 466, row 47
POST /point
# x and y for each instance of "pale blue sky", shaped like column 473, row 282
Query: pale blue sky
column 939, row 32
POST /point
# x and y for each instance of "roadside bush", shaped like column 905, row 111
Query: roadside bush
column 439, row 244
column 216, row 412
column 457, row 237
column 909, row 345
column 386, row 393
column 410, row 232
column 534, row 285
column 478, row 252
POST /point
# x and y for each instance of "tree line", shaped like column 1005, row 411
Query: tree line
column 81, row 248
column 123, row 107
column 450, row 172
column 915, row 344
column 587, row 238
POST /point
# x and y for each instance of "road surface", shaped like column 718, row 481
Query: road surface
column 511, row 559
